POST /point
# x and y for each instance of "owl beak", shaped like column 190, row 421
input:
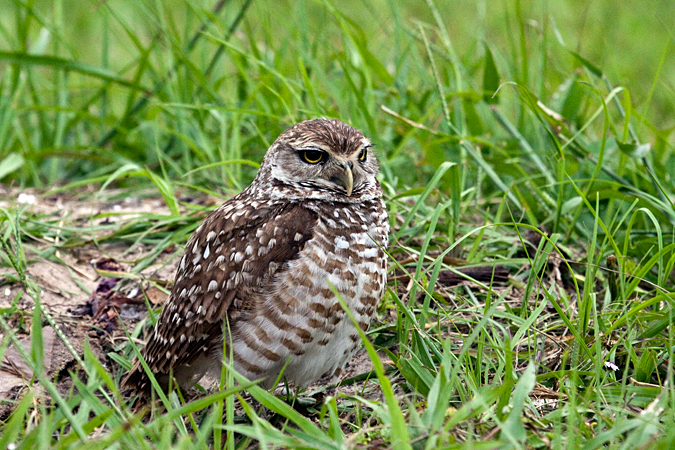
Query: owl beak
column 347, row 178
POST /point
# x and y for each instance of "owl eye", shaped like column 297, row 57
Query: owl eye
column 312, row 156
column 364, row 154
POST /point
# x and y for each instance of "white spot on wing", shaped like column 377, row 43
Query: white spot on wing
column 207, row 252
column 341, row 242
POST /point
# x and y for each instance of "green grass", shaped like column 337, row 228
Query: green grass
column 535, row 136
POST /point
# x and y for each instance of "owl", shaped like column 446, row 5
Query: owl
column 265, row 262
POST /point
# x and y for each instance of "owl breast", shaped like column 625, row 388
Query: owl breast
column 298, row 322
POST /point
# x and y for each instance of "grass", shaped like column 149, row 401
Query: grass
column 526, row 137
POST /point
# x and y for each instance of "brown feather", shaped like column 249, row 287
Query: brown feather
column 224, row 226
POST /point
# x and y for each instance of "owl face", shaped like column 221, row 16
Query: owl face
column 324, row 158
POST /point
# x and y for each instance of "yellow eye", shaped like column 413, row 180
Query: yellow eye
column 312, row 156
column 364, row 154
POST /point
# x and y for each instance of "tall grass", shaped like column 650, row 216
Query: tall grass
column 527, row 135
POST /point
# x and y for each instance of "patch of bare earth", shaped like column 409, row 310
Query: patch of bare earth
column 91, row 302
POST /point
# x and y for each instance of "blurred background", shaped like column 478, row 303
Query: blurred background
column 203, row 87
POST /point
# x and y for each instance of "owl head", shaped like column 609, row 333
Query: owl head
column 321, row 159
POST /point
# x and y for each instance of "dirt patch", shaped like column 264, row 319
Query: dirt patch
column 60, row 266
column 59, row 363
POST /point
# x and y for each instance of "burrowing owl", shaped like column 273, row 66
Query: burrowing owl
column 264, row 261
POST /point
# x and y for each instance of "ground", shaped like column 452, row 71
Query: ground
column 97, row 297
column 92, row 292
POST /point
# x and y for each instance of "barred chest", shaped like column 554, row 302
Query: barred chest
column 300, row 319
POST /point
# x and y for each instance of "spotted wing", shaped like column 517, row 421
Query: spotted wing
column 234, row 252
